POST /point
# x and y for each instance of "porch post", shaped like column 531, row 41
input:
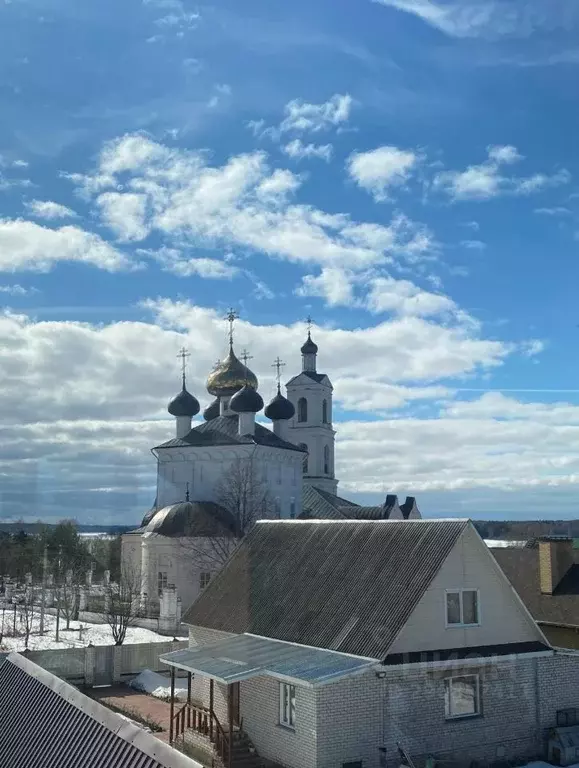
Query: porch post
column 188, row 699
column 211, row 708
column 230, row 718
column 172, row 705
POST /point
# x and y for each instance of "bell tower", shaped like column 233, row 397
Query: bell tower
column 310, row 393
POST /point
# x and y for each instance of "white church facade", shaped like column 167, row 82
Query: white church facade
column 216, row 478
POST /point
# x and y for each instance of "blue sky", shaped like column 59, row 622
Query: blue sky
column 406, row 171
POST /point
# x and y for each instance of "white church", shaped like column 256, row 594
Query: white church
column 216, row 478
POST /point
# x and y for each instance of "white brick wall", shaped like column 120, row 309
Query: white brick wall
column 259, row 703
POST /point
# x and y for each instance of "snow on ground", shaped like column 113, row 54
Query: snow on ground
column 157, row 685
column 97, row 634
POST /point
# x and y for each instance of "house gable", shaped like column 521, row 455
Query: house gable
column 346, row 585
column 503, row 617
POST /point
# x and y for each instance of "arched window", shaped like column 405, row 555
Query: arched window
column 305, row 464
column 325, row 412
column 302, row 409
column 326, row 460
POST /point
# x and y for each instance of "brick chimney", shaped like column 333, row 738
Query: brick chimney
column 555, row 559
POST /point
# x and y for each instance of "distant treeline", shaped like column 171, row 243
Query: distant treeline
column 522, row 530
column 62, row 549
column 35, row 528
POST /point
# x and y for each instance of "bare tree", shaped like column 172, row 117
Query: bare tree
column 122, row 603
column 27, row 614
column 244, row 494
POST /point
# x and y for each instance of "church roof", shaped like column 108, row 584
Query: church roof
column 325, row 505
column 318, row 377
column 345, row 585
column 190, row 518
column 223, row 430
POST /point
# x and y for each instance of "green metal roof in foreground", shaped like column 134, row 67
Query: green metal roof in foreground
column 245, row 656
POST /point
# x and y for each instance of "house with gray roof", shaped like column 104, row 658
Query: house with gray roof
column 545, row 573
column 327, row 643
column 46, row 723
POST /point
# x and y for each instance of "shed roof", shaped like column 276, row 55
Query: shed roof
column 344, row 585
column 49, row 724
column 245, row 656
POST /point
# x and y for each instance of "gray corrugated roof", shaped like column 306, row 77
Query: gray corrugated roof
column 315, row 503
column 224, row 431
column 242, row 657
column 345, row 585
column 46, row 723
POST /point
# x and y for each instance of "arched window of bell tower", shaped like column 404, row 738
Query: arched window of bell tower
column 302, row 409
column 325, row 412
column 326, row 460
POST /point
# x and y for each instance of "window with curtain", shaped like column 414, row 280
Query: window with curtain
column 287, row 705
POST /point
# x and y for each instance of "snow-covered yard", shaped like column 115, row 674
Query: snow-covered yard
column 97, row 634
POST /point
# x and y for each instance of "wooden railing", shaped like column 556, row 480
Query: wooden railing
column 205, row 722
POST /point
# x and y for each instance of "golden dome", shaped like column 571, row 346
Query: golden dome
column 229, row 377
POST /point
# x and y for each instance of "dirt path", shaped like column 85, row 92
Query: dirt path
column 141, row 705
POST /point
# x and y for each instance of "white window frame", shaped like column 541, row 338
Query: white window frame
column 448, row 684
column 460, row 591
column 204, row 579
column 287, row 715
column 162, row 581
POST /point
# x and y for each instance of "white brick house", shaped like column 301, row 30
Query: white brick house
column 325, row 644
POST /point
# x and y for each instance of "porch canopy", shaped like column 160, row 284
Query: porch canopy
column 244, row 656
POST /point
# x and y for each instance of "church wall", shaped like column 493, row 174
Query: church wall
column 203, row 470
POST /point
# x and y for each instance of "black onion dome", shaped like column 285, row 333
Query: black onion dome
column 310, row 347
column 247, row 400
column 279, row 408
column 212, row 410
column 184, row 404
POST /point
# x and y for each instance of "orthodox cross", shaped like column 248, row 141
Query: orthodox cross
column 183, row 354
column 278, row 365
column 231, row 317
column 187, row 492
column 309, row 323
column 245, row 356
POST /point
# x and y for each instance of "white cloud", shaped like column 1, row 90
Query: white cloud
column 304, row 117
column 488, row 18
column 335, row 286
column 17, row 290
column 557, row 210
column 298, row 150
column 125, row 214
column 95, row 405
column 174, row 261
column 404, row 298
column 380, row 169
column 25, row 245
column 241, row 204
column 47, row 209
column 488, row 180
column 533, row 347
column 473, row 245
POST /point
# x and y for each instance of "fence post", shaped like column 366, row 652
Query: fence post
column 117, row 663
column 89, row 665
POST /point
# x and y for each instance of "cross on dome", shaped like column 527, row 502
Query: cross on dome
column 278, row 364
column 231, row 316
column 183, row 354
